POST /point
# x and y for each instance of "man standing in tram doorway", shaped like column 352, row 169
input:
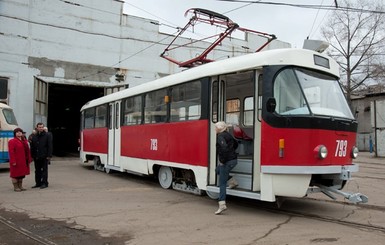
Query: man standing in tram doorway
column 41, row 151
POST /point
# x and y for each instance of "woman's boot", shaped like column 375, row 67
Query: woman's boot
column 16, row 185
column 222, row 207
column 20, row 181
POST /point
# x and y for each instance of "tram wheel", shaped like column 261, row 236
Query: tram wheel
column 165, row 177
column 212, row 195
column 98, row 164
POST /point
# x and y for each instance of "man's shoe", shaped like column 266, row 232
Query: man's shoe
column 43, row 186
column 36, row 186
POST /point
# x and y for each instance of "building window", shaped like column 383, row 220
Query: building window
column 41, row 98
column 4, row 90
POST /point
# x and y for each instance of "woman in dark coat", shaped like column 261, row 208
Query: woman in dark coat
column 19, row 159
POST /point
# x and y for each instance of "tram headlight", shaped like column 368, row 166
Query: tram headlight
column 355, row 152
column 321, row 151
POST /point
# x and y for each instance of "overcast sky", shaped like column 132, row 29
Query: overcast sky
column 289, row 24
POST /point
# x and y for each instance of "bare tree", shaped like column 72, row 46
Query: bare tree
column 356, row 33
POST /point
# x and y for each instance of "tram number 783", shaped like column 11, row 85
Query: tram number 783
column 341, row 148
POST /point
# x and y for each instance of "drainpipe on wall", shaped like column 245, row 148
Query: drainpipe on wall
column 375, row 127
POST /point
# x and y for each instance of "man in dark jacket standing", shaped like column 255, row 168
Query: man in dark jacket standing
column 41, row 151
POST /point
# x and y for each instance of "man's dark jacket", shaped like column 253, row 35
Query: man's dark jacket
column 41, row 145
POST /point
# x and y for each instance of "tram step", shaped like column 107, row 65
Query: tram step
column 244, row 166
column 236, row 192
column 244, row 180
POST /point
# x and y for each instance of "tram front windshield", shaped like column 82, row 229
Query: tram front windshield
column 304, row 92
column 9, row 117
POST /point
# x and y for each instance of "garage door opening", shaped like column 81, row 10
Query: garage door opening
column 63, row 121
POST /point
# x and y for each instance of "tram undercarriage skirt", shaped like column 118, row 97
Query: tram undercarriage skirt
column 186, row 188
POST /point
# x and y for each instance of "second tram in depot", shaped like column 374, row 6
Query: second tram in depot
column 7, row 124
column 288, row 112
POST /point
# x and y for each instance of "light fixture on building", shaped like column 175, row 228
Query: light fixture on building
column 119, row 77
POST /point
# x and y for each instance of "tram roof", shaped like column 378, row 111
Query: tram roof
column 3, row 105
column 290, row 56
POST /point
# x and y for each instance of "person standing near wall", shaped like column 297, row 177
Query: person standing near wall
column 31, row 135
column 19, row 159
column 41, row 149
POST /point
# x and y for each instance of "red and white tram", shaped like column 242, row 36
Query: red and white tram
column 295, row 130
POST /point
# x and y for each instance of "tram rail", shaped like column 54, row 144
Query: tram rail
column 26, row 233
column 293, row 213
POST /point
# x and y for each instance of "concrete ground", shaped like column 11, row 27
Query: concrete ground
column 84, row 206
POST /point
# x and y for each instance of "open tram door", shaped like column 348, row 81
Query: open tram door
column 113, row 137
column 236, row 99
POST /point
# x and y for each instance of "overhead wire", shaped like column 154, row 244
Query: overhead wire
column 129, row 57
column 310, row 6
column 315, row 19
column 241, row 7
column 171, row 25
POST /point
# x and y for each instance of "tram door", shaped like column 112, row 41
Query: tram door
column 114, row 135
column 217, row 88
column 233, row 101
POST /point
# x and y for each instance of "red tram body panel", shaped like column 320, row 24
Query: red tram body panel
column 184, row 142
column 299, row 146
column 95, row 140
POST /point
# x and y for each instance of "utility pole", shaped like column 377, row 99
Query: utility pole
column 375, row 127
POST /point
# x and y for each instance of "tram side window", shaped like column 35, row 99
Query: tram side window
column 155, row 110
column 82, row 121
column 186, row 102
column 132, row 111
column 110, row 112
column 259, row 101
column 101, row 116
column 233, row 111
column 89, row 118
column 248, row 111
column 288, row 95
column 215, row 101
